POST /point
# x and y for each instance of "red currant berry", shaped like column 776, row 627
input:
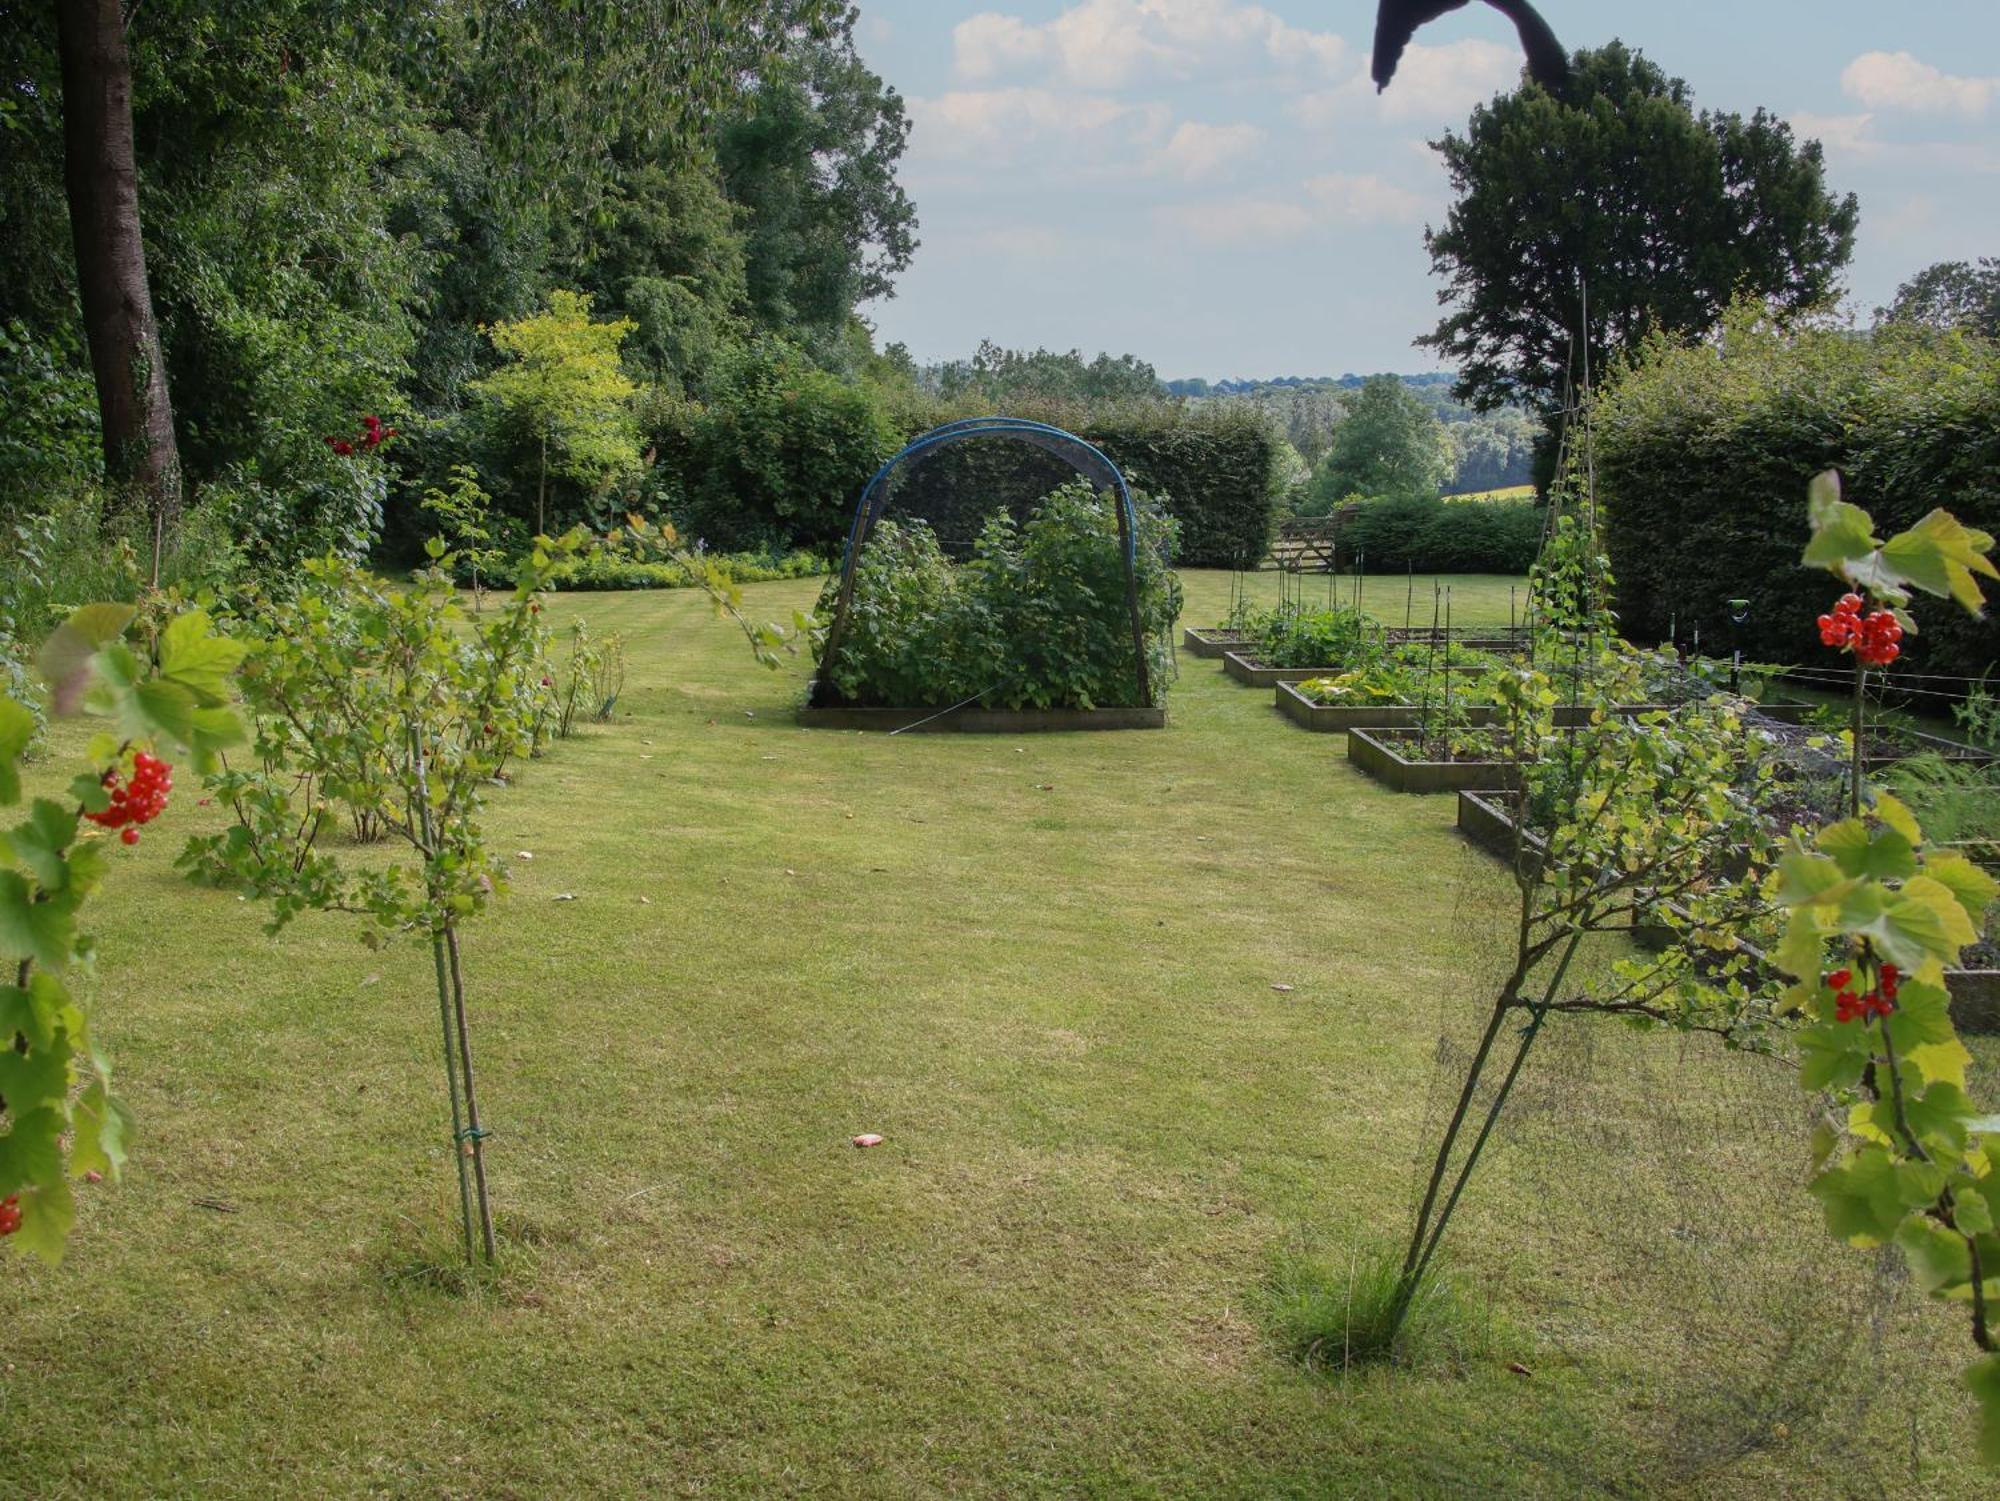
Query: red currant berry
column 10, row 1214
column 129, row 836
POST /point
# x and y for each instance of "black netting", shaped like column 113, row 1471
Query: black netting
column 952, row 479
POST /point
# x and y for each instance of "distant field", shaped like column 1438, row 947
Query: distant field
column 1511, row 492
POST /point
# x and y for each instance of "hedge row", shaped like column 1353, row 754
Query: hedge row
column 778, row 455
column 1704, row 455
column 601, row 571
column 1212, row 465
column 1427, row 535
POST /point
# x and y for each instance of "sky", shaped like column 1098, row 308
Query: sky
column 1215, row 186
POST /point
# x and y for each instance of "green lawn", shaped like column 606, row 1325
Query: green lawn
column 1043, row 969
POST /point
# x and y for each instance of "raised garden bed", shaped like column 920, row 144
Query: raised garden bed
column 1486, row 818
column 975, row 721
column 1340, row 718
column 1247, row 669
column 1380, row 753
column 1212, row 641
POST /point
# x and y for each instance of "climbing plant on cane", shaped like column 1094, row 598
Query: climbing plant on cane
column 1875, row 920
column 52, row 1131
column 1649, row 822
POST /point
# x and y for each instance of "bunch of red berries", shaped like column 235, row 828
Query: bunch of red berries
column 139, row 798
column 10, row 1214
column 1848, row 1006
column 371, row 437
column 1875, row 640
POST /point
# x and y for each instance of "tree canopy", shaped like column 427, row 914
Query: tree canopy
column 1951, row 296
column 1621, row 195
column 1388, row 444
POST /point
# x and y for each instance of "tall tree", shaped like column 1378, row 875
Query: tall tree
column 1950, row 295
column 101, row 176
column 1618, row 193
column 1388, row 444
column 810, row 154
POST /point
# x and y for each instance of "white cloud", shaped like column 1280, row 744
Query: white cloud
column 1850, row 133
column 1855, row 137
column 999, row 126
column 1443, row 83
column 989, row 45
column 1237, row 222
column 1896, row 80
column 1109, row 44
column 1434, row 86
column 1196, row 151
column 1336, row 201
column 1365, row 198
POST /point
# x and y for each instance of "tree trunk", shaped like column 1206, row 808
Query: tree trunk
column 102, row 179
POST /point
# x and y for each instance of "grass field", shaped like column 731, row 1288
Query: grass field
column 1043, row 968
column 1508, row 492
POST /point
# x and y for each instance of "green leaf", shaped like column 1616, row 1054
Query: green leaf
column 1939, row 1259
column 1952, row 918
column 162, row 708
column 1974, row 888
column 1807, row 879
column 1922, row 1015
column 17, row 728
column 48, row 1213
column 101, row 1124
column 192, row 655
column 1803, row 947
column 214, row 731
column 1941, row 555
column 1886, row 856
column 43, row 931
column 1971, row 1213
column 1892, row 812
column 67, row 657
column 1860, row 1199
column 1983, row 1381
column 1840, row 532
column 1831, row 1056
column 39, row 843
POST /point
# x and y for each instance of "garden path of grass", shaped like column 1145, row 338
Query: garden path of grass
column 1042, row 967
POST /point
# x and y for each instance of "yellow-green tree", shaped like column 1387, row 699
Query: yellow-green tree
column 564, row 390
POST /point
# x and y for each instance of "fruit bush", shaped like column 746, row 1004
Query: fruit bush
column 1037, row 617
column 1875, row 919
column 58, row 1117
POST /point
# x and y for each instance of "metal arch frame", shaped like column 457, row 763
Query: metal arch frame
column 1041, row 435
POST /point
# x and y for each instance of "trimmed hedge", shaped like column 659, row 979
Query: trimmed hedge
column 1704, row 454
column 1214, row 467
column 1429, row 535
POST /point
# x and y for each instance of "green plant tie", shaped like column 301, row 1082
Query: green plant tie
column 471, row 1133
